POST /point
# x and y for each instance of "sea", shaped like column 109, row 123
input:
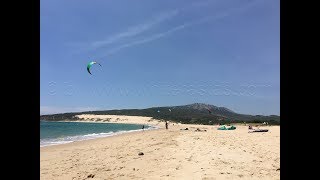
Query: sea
column 54, row 133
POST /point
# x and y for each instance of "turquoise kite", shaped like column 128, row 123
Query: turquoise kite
column 90, row 64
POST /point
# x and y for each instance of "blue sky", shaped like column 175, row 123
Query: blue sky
column 160, row 53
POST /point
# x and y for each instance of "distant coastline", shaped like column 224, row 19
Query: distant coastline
column 197, row 113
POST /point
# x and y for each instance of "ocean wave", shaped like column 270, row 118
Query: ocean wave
column 69, row 139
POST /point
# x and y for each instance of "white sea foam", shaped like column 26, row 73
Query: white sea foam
column 69, row 139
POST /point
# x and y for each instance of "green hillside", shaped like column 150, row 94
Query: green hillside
column 196, row 113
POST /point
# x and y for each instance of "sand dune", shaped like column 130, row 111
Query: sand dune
column 168, row 154
column 118, row 119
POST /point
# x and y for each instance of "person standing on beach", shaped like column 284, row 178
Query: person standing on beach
column 142, row 127
column 166, row 124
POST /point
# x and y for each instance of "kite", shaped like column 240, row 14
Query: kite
column 90, row 64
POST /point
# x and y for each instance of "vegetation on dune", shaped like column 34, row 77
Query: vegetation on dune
column 196, row 113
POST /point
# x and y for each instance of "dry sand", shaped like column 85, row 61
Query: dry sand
column 118, row 119
column 168, row 154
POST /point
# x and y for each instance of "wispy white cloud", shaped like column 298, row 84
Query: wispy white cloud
column 53, row 110
column 180, row 27
column 118, row 37
column 145, row 40
column 135, row 30
column 140, row 28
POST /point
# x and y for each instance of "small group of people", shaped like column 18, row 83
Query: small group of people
column 200, row 130
column 166, row 125
column 257, row 129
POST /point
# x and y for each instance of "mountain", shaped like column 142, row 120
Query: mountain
column 197, row 113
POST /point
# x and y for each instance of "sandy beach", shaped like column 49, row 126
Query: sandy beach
column 119, row 119
column 168, row 154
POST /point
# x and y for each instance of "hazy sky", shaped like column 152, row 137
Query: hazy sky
column 160, row 53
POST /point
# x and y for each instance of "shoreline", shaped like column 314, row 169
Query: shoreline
column 123, row 119
column 98, row 135
column 102, row 137
column 89, row 121
column 168, row 154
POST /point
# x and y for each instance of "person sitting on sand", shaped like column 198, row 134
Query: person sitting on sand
column 200, row 130
column 250, row 127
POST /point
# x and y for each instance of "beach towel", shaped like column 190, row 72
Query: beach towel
column 259, row 130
